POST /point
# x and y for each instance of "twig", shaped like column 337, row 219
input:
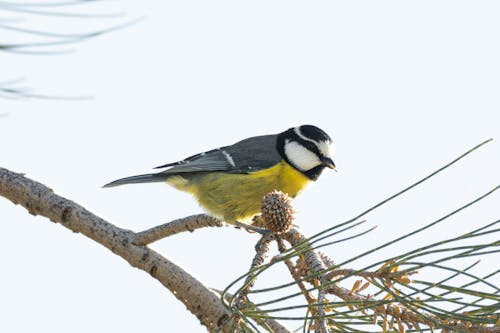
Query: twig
column 262, row 252
column 190, row 223
column 323, row 328
column 317, row 267
column 295, row 274
column 405, row 314
column 274, row 325
column 313, row 259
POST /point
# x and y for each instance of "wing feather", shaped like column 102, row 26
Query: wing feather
column 213, row 160
column 246, row 156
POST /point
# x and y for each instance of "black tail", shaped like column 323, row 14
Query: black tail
column 149, row 178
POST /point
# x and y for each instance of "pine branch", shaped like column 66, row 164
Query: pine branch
column 394, row 300
column 36, row 39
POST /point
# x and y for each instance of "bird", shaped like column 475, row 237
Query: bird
column 229, row 182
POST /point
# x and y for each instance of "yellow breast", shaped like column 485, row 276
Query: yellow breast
column 237, row 197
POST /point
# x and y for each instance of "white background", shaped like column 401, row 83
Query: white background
column 402, row 87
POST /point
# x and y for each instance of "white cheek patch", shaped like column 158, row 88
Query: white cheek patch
column 300, row 156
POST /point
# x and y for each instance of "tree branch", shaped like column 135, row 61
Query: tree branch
column 38, row 199
column 189, row 223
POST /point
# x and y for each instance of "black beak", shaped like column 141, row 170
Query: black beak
column 328, row 163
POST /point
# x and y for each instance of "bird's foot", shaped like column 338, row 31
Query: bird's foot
column 252, row 229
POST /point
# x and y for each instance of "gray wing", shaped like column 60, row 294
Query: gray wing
column 249, row 155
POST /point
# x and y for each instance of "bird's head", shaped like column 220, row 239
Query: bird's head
column 307, row 148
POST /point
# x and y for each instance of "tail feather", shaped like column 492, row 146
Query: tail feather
column 149, row 178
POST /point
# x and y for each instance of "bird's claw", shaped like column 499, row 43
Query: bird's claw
column 252, row 229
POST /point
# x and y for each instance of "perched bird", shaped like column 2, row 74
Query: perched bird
column 230, row 182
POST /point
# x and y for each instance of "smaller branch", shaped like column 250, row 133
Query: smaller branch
column 250, row 228
column 189, row 223
column 273, row 324
column 391, row 276
column 407, row 315
column 317, row 268
column 351, row 272
column 323, row 327
column 295, row 274
column 313, row 259
column 262, row 252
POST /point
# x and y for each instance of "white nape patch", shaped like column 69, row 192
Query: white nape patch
column 228, row 157
column 300, row 156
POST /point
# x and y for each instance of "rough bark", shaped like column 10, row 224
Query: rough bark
column 38, row 199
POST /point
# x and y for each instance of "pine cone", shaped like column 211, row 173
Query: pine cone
column 277, row 211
